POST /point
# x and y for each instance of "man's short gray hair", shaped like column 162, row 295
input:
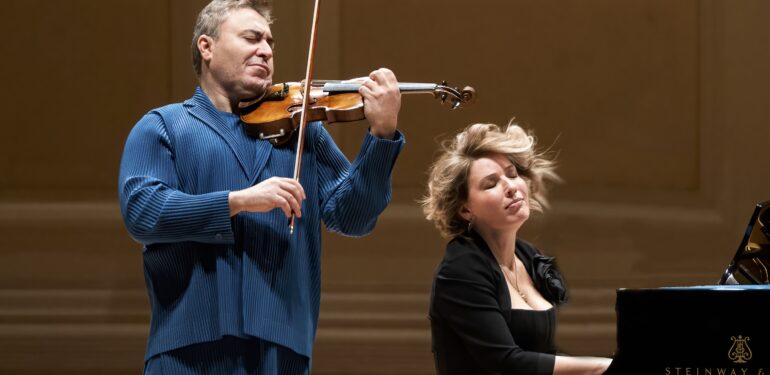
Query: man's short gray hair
column 212, row 16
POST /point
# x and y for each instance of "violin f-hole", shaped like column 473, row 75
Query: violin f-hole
column 298, row 106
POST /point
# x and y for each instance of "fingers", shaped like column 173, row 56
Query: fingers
column 382, row 101
column 283, row 193
column 292, row 193
column 383, row 76
column 372, row 88
column 379, row 81
column 284, row 201
column 367, row 91
column 293, row 186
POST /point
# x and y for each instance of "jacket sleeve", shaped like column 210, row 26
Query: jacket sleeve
column 465, row 297
column 153, row 209
column 353, row 195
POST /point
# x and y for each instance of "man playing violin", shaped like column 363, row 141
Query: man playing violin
column 231, row 290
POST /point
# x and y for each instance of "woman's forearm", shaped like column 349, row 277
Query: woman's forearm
column 580, row 365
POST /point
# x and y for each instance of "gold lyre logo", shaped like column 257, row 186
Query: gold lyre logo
column 739, row 351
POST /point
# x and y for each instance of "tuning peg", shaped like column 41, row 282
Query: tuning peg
column 469, row 94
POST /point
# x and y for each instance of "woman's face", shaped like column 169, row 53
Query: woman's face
column 498, row 199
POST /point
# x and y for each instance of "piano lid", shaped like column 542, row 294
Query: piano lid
column 751, row 263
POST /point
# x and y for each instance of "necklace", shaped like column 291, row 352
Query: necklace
column 515, row 281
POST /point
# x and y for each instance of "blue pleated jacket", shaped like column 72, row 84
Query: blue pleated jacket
column 209, row 275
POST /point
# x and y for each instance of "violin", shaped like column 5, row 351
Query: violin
column 274, row 116
column 277, row 114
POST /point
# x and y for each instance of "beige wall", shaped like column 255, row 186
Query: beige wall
column 657, row 110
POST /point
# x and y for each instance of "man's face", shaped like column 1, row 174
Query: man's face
column 241, row 57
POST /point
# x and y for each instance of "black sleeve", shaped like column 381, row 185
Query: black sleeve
column 465, row 297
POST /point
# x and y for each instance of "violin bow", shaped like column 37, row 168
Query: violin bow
column 305, row 102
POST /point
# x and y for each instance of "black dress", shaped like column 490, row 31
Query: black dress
column 474, row 330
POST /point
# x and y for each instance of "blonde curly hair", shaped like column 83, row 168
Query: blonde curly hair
column 448, row 176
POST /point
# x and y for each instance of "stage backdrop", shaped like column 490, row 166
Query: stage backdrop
column 657, row 110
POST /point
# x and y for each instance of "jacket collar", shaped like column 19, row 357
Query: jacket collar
column 478, row 242
column 201, row 107
column 542, row 269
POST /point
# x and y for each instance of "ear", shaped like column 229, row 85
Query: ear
column 206, row 47
column 466, row 213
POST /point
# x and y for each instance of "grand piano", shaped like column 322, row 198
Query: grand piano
column 704, row 330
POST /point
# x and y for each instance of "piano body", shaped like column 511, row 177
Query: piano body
column 703, row 330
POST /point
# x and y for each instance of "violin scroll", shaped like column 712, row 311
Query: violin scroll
column 466, row 96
